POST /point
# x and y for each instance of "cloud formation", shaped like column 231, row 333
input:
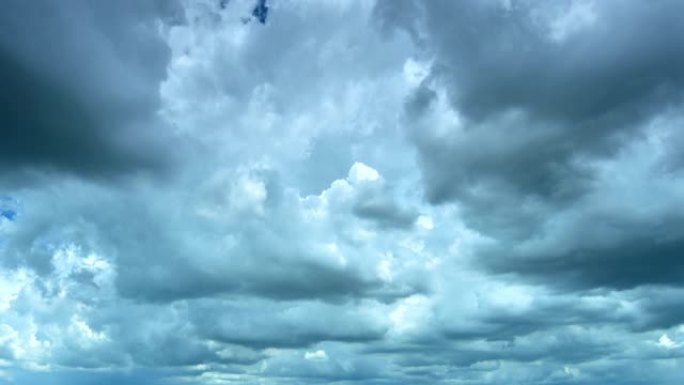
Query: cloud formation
column 354, row 192
column 81, row 86
column 531, row 118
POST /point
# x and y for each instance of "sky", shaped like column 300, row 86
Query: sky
column 373, row 192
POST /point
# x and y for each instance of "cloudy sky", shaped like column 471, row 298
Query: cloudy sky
column 354, row 192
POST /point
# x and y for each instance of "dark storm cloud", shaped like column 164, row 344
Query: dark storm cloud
column 631, row 263
column 598, row 244
column 576, row 95
column 80, row 85
column 542, row 92
column 660, row 308
column 499, row 57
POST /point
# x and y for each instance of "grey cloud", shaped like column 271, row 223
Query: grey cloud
column 627, row 265
column 295, row 324
column 77, row 377
column 158, row 336
column 385, row 216
column 660, row 308
column 81, row 86
column 567, row 354
column 370, row 193
column 520, row 107
column 498, row 58
column 549, row 314
column 604, row 240
column 163, row 253
column 577, row 97
column 377, row 207
column 267, row 259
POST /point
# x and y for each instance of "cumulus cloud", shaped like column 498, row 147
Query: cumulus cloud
column 352, row 192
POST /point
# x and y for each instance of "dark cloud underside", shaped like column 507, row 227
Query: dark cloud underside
column 80, row 86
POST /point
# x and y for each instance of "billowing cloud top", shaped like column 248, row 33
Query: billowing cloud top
column 344, row 191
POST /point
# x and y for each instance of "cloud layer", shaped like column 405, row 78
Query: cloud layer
column 389, row 192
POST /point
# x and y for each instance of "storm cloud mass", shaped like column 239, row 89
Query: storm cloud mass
column 345, row 191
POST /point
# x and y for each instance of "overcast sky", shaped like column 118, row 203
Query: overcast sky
column 369, row 192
